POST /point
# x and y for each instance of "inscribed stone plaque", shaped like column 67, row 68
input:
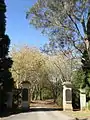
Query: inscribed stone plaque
column 68, row 95
column 25, row 94
column 82, row 100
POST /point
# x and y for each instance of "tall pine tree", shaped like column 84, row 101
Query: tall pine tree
column 6, row 80
column 86, row 60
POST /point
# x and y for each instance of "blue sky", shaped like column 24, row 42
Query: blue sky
column 18, row 28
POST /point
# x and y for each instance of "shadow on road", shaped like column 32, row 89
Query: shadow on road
column 38, row 109
column 36, row 106
column 44, row 109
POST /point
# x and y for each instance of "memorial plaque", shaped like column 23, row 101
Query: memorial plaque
column 68, row 95
column 82, row 99
column 25, row 94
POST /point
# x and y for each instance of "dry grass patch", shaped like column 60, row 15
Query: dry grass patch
column 78, row 114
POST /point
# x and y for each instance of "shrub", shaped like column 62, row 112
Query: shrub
column 59, row 101
column 89, row 104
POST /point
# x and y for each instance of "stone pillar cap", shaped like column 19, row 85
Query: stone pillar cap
column 82, row 90
column 67, row 83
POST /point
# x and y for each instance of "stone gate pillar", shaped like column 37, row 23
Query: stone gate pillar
column 82, row 99
column 25, row 95
column 67, row 96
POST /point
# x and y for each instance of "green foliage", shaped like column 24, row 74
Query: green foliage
column 89, row 105
column 63, row 21
column 78, row 78
column 6, row 80
column 2, row 17
column 86, row 69
column 75, row 98
column 88, row 25
column 67, row 23
column 59, row 101
column 77, row 82
column 45, row 73
column 16, row 98
column 85, row 60
column 47, row 94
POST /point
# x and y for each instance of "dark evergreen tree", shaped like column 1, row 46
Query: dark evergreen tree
column 86, row 60
column 86, row 69
column 6, row 80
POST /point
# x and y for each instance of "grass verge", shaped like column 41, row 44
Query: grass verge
column 78, row 114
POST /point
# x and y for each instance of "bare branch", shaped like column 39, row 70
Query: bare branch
column 60, row 72
column 83, row 25
column 75, row 45
column 75, row 25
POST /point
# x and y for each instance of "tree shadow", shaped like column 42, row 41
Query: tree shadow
column 80, row 119
column 19, row 111
column 45, row 109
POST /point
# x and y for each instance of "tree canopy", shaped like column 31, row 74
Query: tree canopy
column 44, row 72
column 64, row 21
column 67, row 24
